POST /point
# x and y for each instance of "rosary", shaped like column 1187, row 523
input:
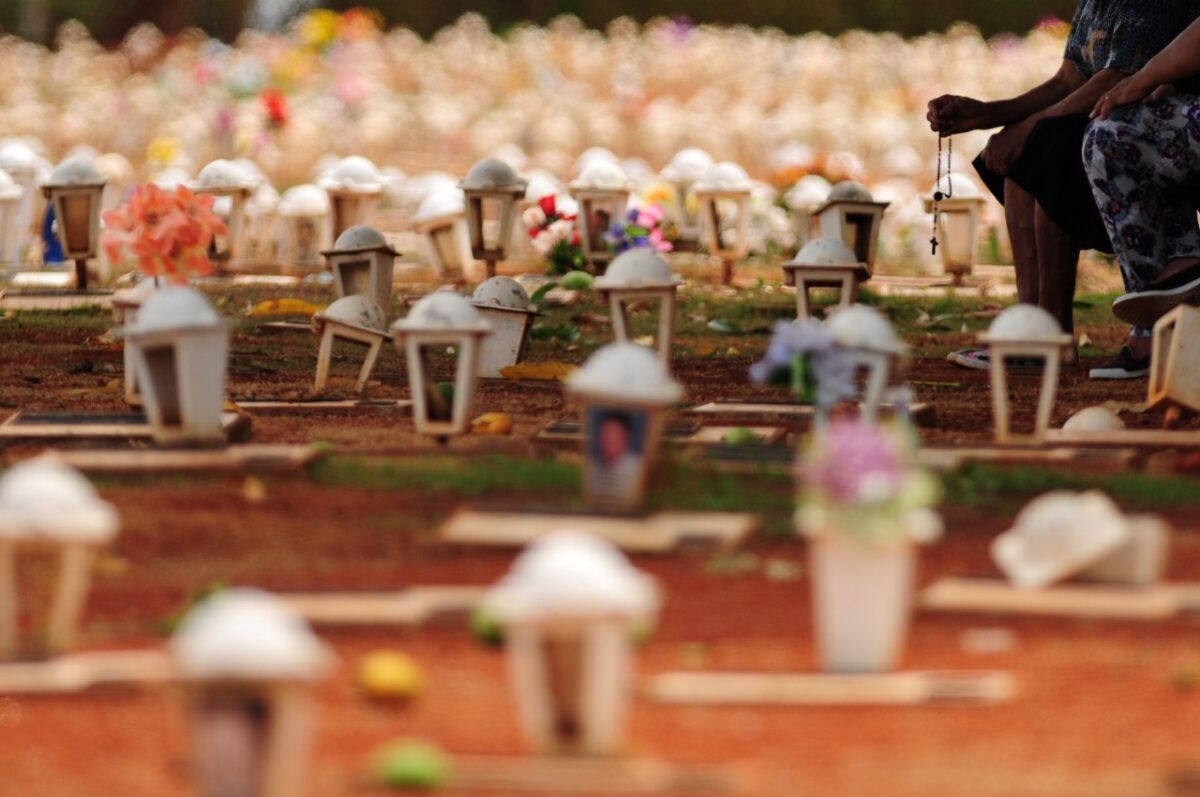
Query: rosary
column 938, row 196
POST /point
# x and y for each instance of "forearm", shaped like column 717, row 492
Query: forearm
column 1179, row 61
column 1084, row 98
column 1007, row 112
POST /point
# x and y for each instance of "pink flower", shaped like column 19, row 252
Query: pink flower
column 658, row 242
column 169, row 233
column 854, row 461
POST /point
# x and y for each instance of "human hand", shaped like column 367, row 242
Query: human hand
column 950, row 114
column 1129, row 91
column 1004, row 148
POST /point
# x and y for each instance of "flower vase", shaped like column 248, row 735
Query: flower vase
column 862, row 601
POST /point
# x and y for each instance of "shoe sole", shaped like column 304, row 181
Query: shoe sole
column 1145, row 308
column 967, row 362
column 1117, row 373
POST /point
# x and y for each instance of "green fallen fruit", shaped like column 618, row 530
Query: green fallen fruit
column 411, row 764
column 741, row 436
column 576, row 281
column 486, row 628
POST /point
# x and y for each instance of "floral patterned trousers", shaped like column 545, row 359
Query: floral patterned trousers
column 1144, row 166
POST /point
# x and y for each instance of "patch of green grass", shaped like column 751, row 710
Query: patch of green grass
column 768, row 492
column 91, row 318
column 469, row 476
column 982, row 485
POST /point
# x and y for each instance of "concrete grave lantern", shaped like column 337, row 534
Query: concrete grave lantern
column 362, row 262
column 684, row 170
column 23, row 165
column 224, row 178
column 803, row 198
column 45, row 504
column 851, row 215
column 504, row 304
column 870, row 341
column 441, row 220
column 125, row 305
column 592, row 156
column 1024, row 331
column 1094, row 419
column 1174, row 359
column 304, row 213
column 641, row 275
column 355, row 187
column 492, row 190
column 247, row 663
column 262, row 217
column 119, row 175
column 354, row 318
column 10, row 206
column 74, row 189
column 625, row 392
column 602, row 191
column 1061, row 535
column 823, row 263
column 180, row 349
column 442, row 320
column 570, row 607
column 957, row 222
column 723, row 194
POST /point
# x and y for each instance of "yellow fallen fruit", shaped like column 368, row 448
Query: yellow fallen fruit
column 277, row 307
column 390, row 675
column 492, row 423
column 546, row 371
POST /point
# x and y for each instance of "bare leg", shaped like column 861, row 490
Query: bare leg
column 1019, row 211
column 1058, row 258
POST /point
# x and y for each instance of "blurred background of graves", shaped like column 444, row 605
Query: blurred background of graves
column 109, row 20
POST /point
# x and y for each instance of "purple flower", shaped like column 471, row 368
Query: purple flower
column 832, row 373
column 855, row 461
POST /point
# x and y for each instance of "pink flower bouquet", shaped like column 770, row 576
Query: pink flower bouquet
column 169, row 232
column 861, row 480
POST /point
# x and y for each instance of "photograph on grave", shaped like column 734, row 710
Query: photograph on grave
column 616, row 450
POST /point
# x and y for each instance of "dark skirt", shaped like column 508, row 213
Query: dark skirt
column 1051, row 169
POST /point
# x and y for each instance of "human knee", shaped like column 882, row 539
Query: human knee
column 1111, row 141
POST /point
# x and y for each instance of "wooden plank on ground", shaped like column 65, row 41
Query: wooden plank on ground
column 686, row 434
column 80, row 672
column 234, row 458
column 822, row 689
column 1083, row 601
column 96, row 425
column 408, row 607
column 285, row 326
column 657, row 533
column 54, row 300
column 594, row 776
column 1127, row 438
column 283, row 407
column 951, row 458
column 920, row 412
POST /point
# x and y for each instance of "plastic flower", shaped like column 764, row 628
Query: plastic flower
column 859, row 480
column 643, row 226
column 804, row 356
column 162, row 151
column 318, row 28
column 274, row 103
column 168, row 232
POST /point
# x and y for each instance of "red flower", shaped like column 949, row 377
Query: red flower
column 168, row 233
column 274, row 103
column 548, row 206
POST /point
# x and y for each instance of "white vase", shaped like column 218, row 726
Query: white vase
column 862, row 601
